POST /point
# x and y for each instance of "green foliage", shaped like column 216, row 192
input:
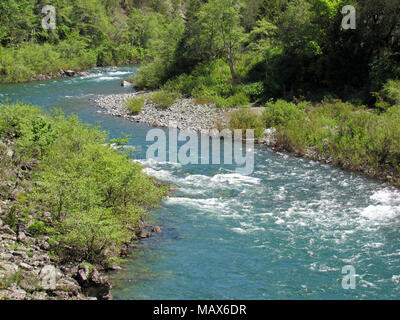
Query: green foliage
column 280, row 113
column 353, row 137
column 391, row 92
column 7, row 280
column 220, row 21
column 88, row 33
column 38, row 227
column 209, row 48
column 253, row 90
column 237, row 100
column 166, row 33
column 94, row 194
column 202, row 100
column 164, row 99
column 384, row 68
column 246, row 119
column 135, row 105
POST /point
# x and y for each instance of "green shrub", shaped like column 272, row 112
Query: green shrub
column 246, row 119
column 253, row 90
column 135, row 105
column 238, row 100
column 38, row 227
column 185, row 84
column 94, row 194
column 164, row 99
column 391, row 92
column 220, row 102
column 280, row 113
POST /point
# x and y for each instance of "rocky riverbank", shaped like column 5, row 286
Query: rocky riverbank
column 59, row 74
column 271, row 139
column 184, row 114
column 30, row 268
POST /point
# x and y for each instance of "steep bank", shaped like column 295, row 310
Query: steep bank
column 59, row 220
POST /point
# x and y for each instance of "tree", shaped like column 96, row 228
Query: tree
column 220, row 20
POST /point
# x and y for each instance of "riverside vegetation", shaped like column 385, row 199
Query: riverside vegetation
column 62, row 183
column 326, row 88
column 328, row 93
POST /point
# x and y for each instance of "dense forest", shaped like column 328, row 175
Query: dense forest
column 245, row 50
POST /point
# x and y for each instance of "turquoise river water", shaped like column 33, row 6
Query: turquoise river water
column 284, row 232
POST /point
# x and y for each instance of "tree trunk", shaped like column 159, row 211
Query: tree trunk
column 233, row 74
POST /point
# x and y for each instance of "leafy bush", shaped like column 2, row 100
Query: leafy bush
column 246, row 119
column 220, row 102
column 38, row 227
column 164, row 99
column 253, row 90
column 239, row 99
column 135, row 105
column 95, row 195
column 280, row 113
column 391, row 91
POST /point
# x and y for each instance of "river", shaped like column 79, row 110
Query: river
column 284, row 232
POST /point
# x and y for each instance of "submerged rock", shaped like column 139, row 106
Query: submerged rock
column 156, row 229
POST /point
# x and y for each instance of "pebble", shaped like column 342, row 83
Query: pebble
column 183, row 115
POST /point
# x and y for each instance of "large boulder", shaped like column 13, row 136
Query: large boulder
column 92, row 283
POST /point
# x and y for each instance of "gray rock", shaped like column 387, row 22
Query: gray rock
column 48, row 277
column 100, row 287
column 21, row 254
column 25, row 266
column 7, row 230
column 126, row 84
column 68, row 285
column 69, row 73
column 28, row 285
column 37, row 295
column 61, row 295
column 22, row 237
column 183, row 114
column 13, row 293
column 144, row 234
column 93, row 285
column 44, row 245
column 9, row 268
column 83, row 273
column 19, row 294
column 6, row 256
